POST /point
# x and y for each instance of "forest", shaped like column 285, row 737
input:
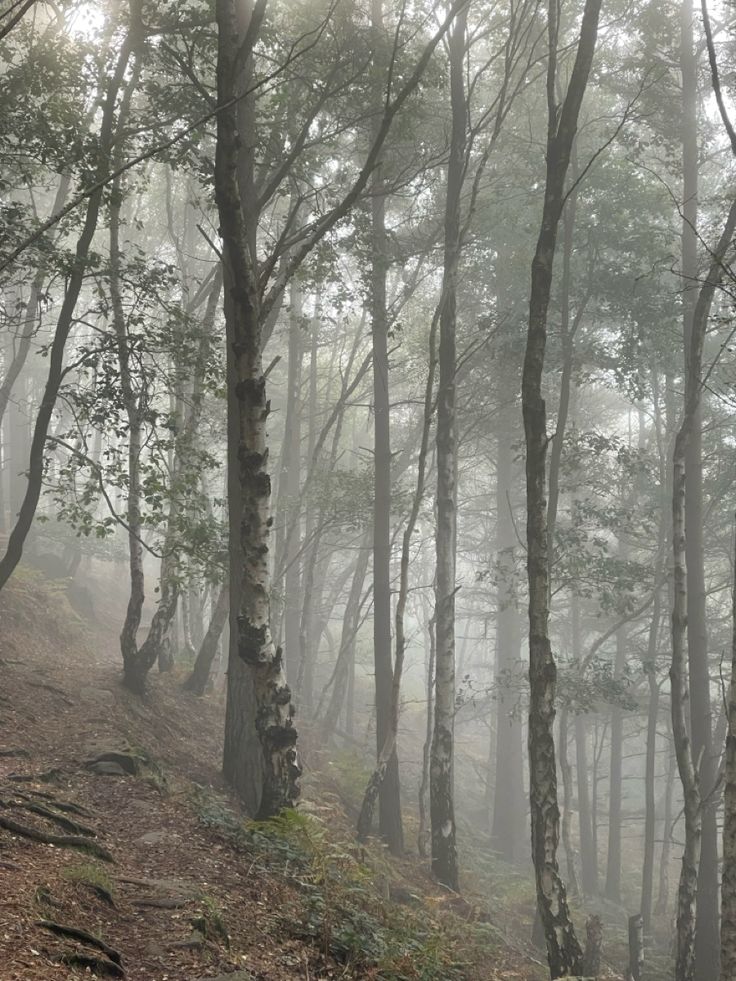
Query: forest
column 367, row 461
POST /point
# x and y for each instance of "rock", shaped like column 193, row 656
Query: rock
column 153, row 838
column 103, row 769
column 127, row 762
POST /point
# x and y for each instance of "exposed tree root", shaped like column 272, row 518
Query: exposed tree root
column 76, row 933
column 59, row 841
column 60, row 805
column 97, row 965
column 45, row 812
column 101, row 892
column 48, row 776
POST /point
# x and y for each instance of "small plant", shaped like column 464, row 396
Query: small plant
column 211, row 923
column 213, row 811
column 94, row 877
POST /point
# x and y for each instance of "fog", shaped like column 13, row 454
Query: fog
column 366, row 408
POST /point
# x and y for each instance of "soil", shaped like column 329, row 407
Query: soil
column 178, row 900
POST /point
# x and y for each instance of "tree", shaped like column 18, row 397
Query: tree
column 441, row 790
column 563, row 950
column 129, row 46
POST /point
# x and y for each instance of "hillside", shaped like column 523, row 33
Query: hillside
column 159, row 867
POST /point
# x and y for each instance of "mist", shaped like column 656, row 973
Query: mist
column 367, row 457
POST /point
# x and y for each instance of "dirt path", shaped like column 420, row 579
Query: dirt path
column 176, row 902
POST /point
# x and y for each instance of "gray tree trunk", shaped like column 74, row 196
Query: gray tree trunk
column 441, row 776
column 563, row 950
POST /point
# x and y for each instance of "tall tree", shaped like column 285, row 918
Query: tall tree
column 706, row 937
column 389, row 804
column 563, row 950
column 441, row 775
column 238, row 27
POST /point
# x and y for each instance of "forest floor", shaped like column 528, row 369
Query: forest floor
column 159, row 868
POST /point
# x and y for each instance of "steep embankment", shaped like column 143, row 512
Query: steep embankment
column 114, row 822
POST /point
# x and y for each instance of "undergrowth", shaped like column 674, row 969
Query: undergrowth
column 341, row 898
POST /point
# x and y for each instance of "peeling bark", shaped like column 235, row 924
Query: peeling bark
column 233, row 192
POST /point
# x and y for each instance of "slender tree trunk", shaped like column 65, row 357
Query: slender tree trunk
column 311, row 594
column 706, row 933
column 424, row 834
column 613, row 865
column 563, row 950
column 288, row 505
column 350, row 625
column 650, row 774
column 509, row 805
column 728, row 881
column 686, row 762
column 365, row 819
column 566, row 772
column 663, row 887
column 197, row 680
column 389, row 807
column 441, row 776
column 588, row 853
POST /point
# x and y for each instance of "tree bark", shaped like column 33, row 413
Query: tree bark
column 424, row 834
column 706, row 933
column 441, row 769
column 197, row 680
column 509, row 804
column 233, row 193
column 563, row 950
column 566, row 772
column 686, row 762
column 613, row 864
column 389, row 807
column 288, row 508
column 728, row 880
column 350, row 626
column 588, row 852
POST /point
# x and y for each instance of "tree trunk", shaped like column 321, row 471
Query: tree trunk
column 509, row 805
column 389, row 807
column 566, row 772
column 686, row 762
column 613, row 864
column 706, row 934
column 350, row 626
column 664, row 863
column 424, row 833
column 650, row 774
column 563, row 950
column 365, row 819
column 197, row 680
column 234, row 196
column 288, row 509
column 728, row 881
column 311, row 593
column 588, row 853
column 441, row 776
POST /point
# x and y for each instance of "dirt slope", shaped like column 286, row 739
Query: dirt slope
column 161, row 873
